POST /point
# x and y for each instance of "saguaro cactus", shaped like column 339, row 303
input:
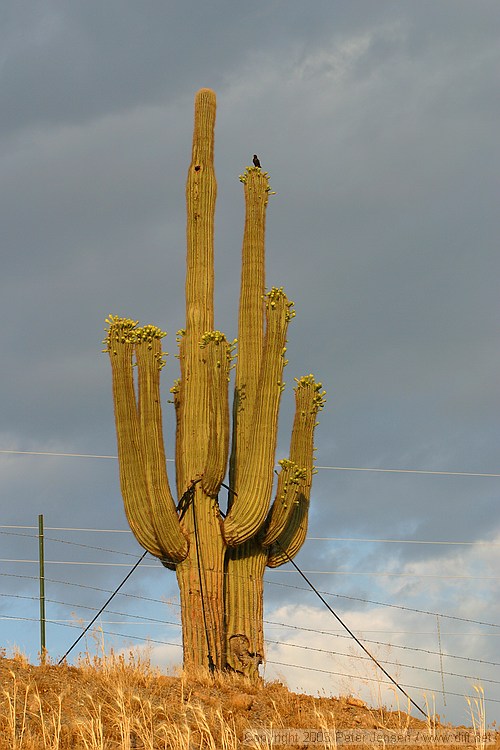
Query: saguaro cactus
column 219, row 558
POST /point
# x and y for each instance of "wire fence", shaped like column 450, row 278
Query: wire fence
column 437, row 649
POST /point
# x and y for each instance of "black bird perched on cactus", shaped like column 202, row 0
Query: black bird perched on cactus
column 256, row 161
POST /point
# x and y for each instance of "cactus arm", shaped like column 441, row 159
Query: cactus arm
column 251, row 313
column 287, row 497
column 201, row 193
column 193, row 394
column 251, row 316
column 291, row 540
column 250, row 506
column 119, row 345
column 163, row 511
column 309, row 400
column 218, row 359
column 180, row 458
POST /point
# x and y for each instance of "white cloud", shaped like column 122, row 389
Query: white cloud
column 407, row 643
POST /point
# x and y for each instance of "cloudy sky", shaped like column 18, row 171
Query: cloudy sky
column 378, row 123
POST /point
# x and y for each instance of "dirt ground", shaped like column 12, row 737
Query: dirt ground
column 121, row 702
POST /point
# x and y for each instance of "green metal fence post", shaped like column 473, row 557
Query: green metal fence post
column 43, row 652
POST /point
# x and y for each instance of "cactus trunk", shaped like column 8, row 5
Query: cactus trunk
column 201, row 584
column 244, row 603
column 219, row 559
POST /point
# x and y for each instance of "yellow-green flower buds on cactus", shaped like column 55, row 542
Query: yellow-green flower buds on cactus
column 276, row 299
column 148, row 334
column 314, row 390
column 176, row 386
column 216, row 336
column 119, row 331
column 256, row 182
column 295, row 473
column 125, row 331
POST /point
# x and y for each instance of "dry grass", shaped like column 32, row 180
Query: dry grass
column 120, row 702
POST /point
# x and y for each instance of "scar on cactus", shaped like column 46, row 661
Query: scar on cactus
column 219, row 558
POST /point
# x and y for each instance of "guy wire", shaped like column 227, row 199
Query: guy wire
column 351, row 633
column 103, row 607
column 191, row 490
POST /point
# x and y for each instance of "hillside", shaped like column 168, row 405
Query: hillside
column 123, row 703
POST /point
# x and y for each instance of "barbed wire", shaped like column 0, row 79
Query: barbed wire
column 99, row 628
column 66, row 528
column 332, row 634
column 275, row 583
column 91, row 588
column 143, row 618
column 286, row 626
column 321, row 468
column 297, row 588
column 283, row 571
column 382, row 660
column 381, row 574
column 477, row 543
column 78, row 562
column 408, row 471
column 425, row 690
column 69, row 542
column 61, row 620
column 147, row 621
column 365, row 574
column 387, row 604
column 309, row 668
